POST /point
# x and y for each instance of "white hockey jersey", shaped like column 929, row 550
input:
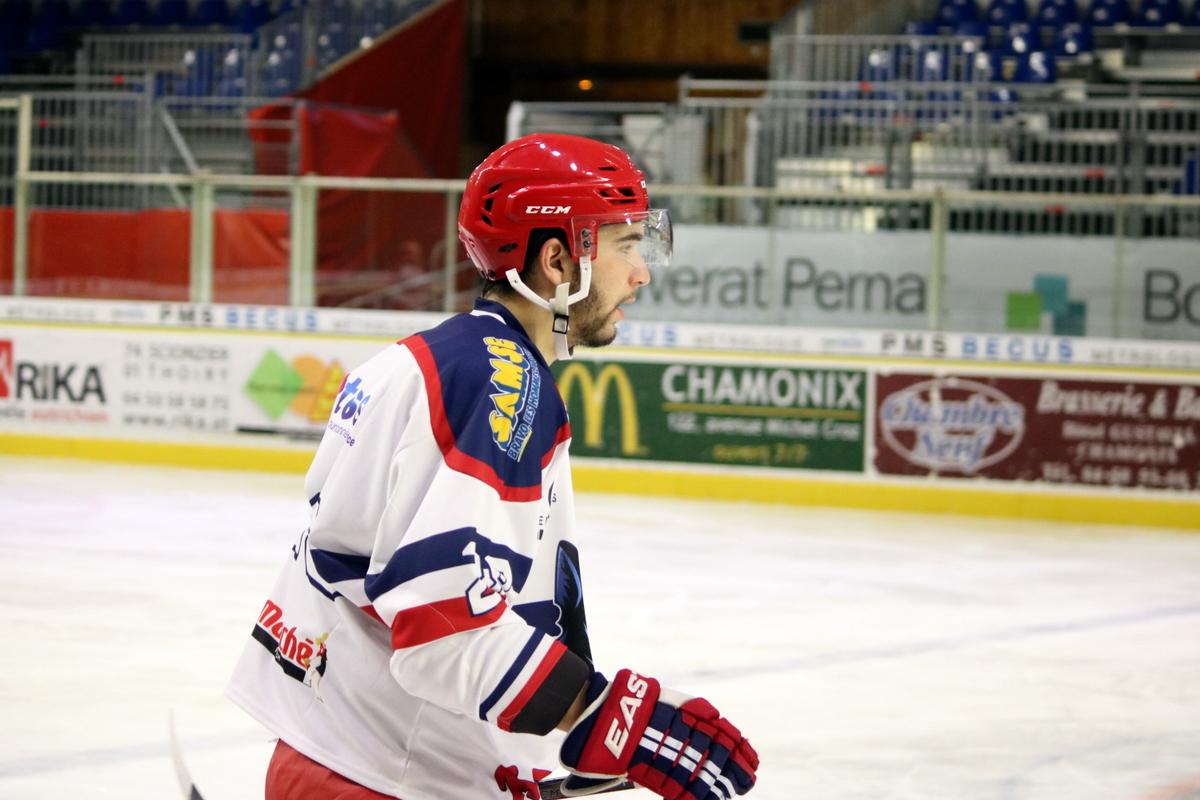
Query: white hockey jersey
column 433, row 611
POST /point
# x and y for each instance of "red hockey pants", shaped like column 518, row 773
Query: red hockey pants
column 294, row 776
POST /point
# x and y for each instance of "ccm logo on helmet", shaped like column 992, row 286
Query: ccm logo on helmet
column 547, row 209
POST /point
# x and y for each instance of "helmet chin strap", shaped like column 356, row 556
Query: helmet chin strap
column 561, row 303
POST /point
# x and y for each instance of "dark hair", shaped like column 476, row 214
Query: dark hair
column 537, row 239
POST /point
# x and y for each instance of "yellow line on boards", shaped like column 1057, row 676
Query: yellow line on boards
column 939, row 498
column 936, row 498
column 202, row 456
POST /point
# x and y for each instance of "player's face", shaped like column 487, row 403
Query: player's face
column 618, row 271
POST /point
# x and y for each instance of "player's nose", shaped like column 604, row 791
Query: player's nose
column 640, row 276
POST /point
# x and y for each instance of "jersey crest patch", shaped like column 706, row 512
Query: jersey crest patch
column 518, row 384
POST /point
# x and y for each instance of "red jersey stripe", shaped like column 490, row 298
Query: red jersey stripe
column 505, row 720
column 433, row 621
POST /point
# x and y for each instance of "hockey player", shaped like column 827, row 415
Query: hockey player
column 426, row 639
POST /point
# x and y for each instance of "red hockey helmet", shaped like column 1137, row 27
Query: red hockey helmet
column 549, row 180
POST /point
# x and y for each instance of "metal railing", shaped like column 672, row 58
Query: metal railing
column 802, row 57
column 91, row 131
column 127, row 130
column 221, row 135
column 178, row 64
column 794, row 135
column 895, row 135
column 789, row 210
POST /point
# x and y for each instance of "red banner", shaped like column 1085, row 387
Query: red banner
column 418, row 70
column 369, row 242
column 1087, row 432
column 143, row 255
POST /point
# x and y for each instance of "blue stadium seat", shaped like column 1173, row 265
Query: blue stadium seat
column 379, row 15
column 170, row 13
column 1073, row 39
column 978, row 31
column 1020, row 38
column 336, row 16
column 1056, row 13
column 17, row 16
column 231, row 75
column 1006, row 12
column 92, row 14
column 250, row 15
column 281, row 71
column 210, row 13
column 1002, row 99
column 1156, row 13
column 131, row 12
column 1003, row 95
column 1190, row 183
column 327, row 54
column 932, row 66
column 988, row 66
column 974, row 28
column 921, row 29
column 1106, row 13
column 837, row 102
column 47, row 28
column 1036, row 67
column 946, row 18
column 878, row 66
column 952, row 12
column 1051, row 16
column 197, row 75
column 1192, row 17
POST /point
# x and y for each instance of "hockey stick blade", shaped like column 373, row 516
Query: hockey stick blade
column 552, row 789
column 186, row 786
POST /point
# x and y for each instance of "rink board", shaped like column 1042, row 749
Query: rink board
column 1040, row 427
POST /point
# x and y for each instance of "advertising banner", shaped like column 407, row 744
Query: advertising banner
column 1054, row 430
column 993, row 284
column 166, row 385
column 48, row 382
column 1014, row 348
column 285, row 389
column 716, row 413
column 757, row 275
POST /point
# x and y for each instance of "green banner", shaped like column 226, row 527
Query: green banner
column 705, row 413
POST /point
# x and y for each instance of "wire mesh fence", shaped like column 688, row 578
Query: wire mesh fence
column 861, row 135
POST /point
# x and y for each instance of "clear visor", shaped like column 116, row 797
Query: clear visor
column 639, row 237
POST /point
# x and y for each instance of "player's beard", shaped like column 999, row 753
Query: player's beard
column 590, row 319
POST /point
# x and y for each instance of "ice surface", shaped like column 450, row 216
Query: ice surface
column 867, row 655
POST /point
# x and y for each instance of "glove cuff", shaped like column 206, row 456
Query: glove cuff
column 603, row 740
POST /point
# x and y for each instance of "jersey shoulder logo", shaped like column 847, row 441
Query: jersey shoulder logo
column 514, row 403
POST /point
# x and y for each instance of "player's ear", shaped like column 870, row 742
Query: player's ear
column 554, row 264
